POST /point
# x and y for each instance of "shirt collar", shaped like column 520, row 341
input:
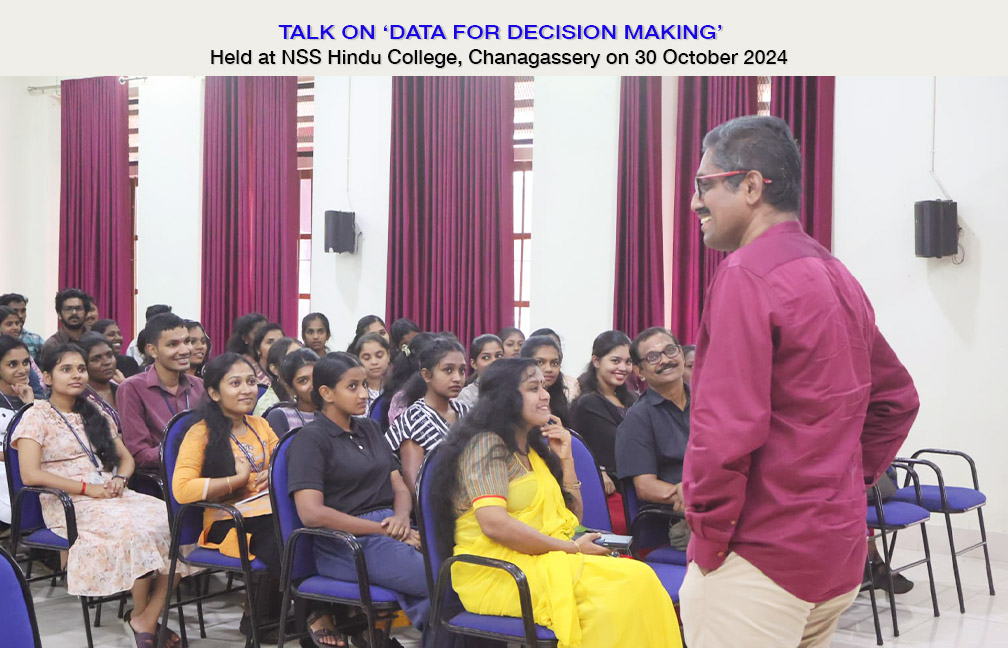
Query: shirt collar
column 152, row 380
column 653, row 398
column 333, row 429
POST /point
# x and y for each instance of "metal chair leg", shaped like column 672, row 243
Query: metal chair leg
column 887, row 556
column 927, row 557
column 955, row 563
column 983, row 537
column 87, row 621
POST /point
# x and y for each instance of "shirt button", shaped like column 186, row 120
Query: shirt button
column 720, row 554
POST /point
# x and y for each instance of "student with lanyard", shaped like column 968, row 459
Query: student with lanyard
column 15, row 393
column 224, row 457
column 296, row 370
column 148, row 400
column 434, row 410
column 122, row 536
column 125, row 365
column 11, row 324
column 101, row 366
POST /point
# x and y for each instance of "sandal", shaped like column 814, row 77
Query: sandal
column 317, row 636
column 147, row 639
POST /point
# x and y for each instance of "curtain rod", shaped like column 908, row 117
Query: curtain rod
column 122, row 80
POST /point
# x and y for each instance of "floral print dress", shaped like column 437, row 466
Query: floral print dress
column 118, row 539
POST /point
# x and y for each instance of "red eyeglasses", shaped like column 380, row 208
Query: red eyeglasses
column 725, row 174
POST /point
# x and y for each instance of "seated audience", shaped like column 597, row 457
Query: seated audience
column 600, row 409
column 401, row 333
column 148, row 400
column 570, row 382
column 19, row 304
column 15, row 393
column 11, row 325
column 651, row 440
column 71, row 306
column 368, row 324
column 296, row 369
column 405, row 366
column 201, row 347
column 512, row 339
column 688, row 354
column 433, row 411
column 508, row 490
column 224, row 457
column 545, row 351
column 343, row 477
column 315, row 333
column 122, row 536
column 483, row 352
column 242, row 338
column 135, row 349
column 278, row 391
column 92, row 314
column 101, row 368
column 125, row 365
column 264, row 338
column 374, row 353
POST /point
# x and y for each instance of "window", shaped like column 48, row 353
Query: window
column 763, row 86
column 133, row 125
column 523, row 120
column 305, row 155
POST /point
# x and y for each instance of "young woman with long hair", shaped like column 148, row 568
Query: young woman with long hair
column 507, row 489
column 548, row 356
column 484, row 350
column 201, row 347
column 122, row 536
column 368, row 324
column 278, row 391
column 404, row 367
column 512, row 339
column 315, row 332
column 401, row 333
column 374, row 353
column 296, row 370
column 101, row 368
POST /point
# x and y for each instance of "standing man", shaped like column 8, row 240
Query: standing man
column 148, row 400
column 71, row 307
column 19, row 304
column 798, row 405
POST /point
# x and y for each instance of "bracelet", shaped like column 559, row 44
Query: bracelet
column 122, row 477
column 575, row 486
column 83, row 487
column 577, row 549
column 230, row 487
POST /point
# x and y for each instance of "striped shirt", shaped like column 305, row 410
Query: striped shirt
column 421, row 424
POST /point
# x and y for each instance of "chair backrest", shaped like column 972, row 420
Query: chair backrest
column 31, row 510
column 425, row 517
column 278, row 406
column 631, row 503
column 17, row 611
column 285, row 516
column 192, row 522
column 593, row 497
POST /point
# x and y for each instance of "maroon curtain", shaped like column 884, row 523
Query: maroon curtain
column 704, row 102
column 250, row 202
column 639, row 296
column 96, row 227
column 806, row 104
column 451, row 252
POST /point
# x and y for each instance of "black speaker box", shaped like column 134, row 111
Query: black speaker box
column 340, row 232
column 936, row 228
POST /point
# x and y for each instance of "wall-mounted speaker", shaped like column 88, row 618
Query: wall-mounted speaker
column 340, row 232
column 936, row 228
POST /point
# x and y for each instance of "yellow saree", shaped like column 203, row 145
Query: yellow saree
column 587, row 601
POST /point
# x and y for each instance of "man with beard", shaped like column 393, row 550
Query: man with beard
column 799, row 403
column 651, row 440
column 148, row 400
column 71, row 307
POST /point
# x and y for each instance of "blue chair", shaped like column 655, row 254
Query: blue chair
column 186, row 522
column 593, row 497
column 894, row 516
column 299, row 577
column 648, row 525
column 447, row 612
column 17, row 610
column 948, row 501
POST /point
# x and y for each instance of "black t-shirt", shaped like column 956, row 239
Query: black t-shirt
column 352, row 469
column 652, row 438
column 127, row 365
column 596, row 418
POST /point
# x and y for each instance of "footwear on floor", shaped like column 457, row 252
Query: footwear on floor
column 900, row 583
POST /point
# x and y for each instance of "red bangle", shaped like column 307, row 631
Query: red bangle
column 83, row 487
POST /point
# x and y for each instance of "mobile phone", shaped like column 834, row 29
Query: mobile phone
column 614, row 541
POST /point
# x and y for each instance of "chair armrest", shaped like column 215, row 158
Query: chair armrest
column 521, row 581
column 236, row 516
column 149, row 477
column 644, row 529
column 934, row 468
column 954, row 453
column 64, row 498
column 342, row 537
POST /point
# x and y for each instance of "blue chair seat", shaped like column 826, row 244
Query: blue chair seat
column 45, row 538
column 214, row 558
column 671, row 577
column 898, row 515
column 332, row 588
column 959, row 499
column 500, row 625
column 667, row 556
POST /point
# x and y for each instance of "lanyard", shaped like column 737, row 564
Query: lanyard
column 168, row 402
column 86, row 448
column 10, row 404
column 248, row 455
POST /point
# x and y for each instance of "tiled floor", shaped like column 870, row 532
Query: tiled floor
column 984, row 624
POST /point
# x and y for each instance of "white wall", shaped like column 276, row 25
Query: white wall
column 574, row 210
column 169, row 203
column 946, row 322
column 348, row 286
column 30, row 196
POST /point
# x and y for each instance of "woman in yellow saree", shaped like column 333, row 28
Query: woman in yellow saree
column 511, row 492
